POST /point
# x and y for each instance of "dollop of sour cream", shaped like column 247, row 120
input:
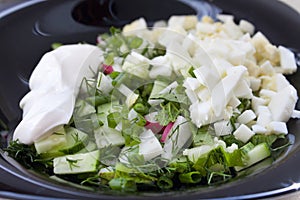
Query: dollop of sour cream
column 54, row 86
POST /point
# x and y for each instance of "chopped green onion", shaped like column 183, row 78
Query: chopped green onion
column 114, row 74
column 164, row 183
column 140, row 108
column 191, row 177
column 140, row 120
column 122, row 184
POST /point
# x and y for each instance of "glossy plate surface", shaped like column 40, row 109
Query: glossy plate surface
column 27, row 32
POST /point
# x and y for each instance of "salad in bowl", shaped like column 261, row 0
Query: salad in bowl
column 184, row 103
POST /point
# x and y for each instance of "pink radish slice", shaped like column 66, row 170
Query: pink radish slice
column 166, row 132
column 107, row 69
column 154, row 126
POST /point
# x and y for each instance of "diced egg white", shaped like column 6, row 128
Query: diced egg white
column 259, row 129
column 266, row 94
column 130, row 29
column 243, row 133
column 296, row 114
column 223, row 128
column 160, row 67
column 234, row 102
column 255, row 84
column 264, row 116
column 246, row 117
column 185, row 21
column 201, row 113
column 281, row 82
column 287, row 60
column 277, row 127
column 191, row 95
column 243, row 90
column 282, row 104
column 192, row 83
column 207, row 76
column 223, row 91
column 246, row 26
column 256, row 102
column 267, row 69
column 137, row 64
column 225, row 17
column 150, row 146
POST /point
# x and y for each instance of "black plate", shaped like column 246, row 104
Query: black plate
column 28, row 30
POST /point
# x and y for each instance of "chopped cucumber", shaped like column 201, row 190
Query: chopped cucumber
column 108, row 107
column 77, row 163
column 76, row 140
column 91, row 146
column 54, row 141
column 106, row 136
column 256, row 154
column 72, row 140
column 247, row 147
column 83, row 108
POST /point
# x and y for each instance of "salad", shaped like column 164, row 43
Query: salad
column 185, row 103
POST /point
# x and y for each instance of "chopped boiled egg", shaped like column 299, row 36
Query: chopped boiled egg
column 287, row 60
column 243, row 133
column 282, row 103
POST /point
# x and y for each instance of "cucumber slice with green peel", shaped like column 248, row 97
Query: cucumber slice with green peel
column 77, row 163
column 247, row 147
column 54, row 141
column 256, row 154
column 68, row 141
column 76, row 140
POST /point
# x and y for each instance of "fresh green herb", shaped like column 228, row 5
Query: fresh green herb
column 28, row 157
column 269, row 139
column 202, row 136
column 93, row 180
column 244, row 105
column 168, row 113
column 191, row 71
column 72, row 163
column 230, row 139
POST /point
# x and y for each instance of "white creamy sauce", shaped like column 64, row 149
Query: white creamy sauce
column 54, row 86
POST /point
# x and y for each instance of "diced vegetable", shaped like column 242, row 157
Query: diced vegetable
column 106, row 136
column 77, row 163
column 256, row 154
